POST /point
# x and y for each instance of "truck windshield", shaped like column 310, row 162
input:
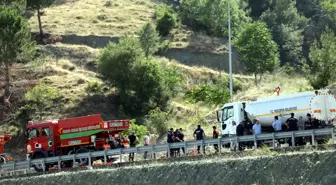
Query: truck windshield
column 33, row 133
column 227, row 113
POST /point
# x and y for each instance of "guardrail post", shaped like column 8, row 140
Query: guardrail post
column 29, row 163
column 219, row 145
column 202, row 146
column 105, row 157
column 13, row 166
column 74, row 159
column 168, row 150
column 59, row 163
column 152, row 152
column 273, row 140
column 185, row 149
column 313, row 137
column 237, row 143
column 332, row 137
column 255, row 142
column 120, row 155
column 43, row 165
column 89, row 156
column 293, row 139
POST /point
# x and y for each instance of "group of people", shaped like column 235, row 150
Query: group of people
column 173, row 137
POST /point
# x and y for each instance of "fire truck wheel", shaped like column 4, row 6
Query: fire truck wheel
column 83, row 161
column 38, row 166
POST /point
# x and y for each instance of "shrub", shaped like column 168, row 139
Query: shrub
column 157, row 121
column 94, row 88
column 166, row 19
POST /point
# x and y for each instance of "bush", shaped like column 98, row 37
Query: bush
column 123, row 65
column 166, row 19
column 157, row 121
column 94, row 88
column 40, row 98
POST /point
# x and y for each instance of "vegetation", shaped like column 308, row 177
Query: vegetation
column 258, row 51
column 323, row 60
column 149, row 39
column 15, row 43
column 38, row 5
column 166, row 19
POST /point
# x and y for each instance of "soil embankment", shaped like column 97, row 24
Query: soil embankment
column 301, row 168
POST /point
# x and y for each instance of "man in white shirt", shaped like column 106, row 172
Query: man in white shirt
column 277, row 124
column 146, row 143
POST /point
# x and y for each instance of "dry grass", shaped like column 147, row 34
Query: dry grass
column 183, row 37
column 96, row 17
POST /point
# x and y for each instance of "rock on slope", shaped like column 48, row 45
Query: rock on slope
column 301, row 168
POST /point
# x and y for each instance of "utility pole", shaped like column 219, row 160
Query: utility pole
column 230, row 57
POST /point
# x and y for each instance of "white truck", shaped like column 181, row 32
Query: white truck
column 320, row 104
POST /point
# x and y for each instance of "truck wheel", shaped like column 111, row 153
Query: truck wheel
column 39, row 166
column 83, row 161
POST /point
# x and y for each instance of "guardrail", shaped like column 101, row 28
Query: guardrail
column 166, row 147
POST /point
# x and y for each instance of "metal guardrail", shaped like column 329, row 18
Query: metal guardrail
column 166, row 147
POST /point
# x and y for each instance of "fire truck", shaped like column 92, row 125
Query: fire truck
column 3, row 156
column 71, row 136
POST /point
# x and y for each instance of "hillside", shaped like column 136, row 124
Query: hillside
column 86, row 26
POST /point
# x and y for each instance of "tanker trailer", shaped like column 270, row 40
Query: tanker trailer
column 320, row 104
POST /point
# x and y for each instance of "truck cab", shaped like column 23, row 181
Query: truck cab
column 231, row 112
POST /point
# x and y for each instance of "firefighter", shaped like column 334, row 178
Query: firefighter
column 199, row 135
column 132, row 139
column 170, row 139
column 215, row 135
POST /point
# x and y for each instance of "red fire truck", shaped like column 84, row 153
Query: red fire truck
column 70, row 136
column 3, row 156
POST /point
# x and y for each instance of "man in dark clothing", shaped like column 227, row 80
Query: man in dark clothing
column 132, row 139
column 240, row 132
column 180, row 137
column 199, row 135
column 170, row 139
column 177, row 139
column 215, row 135
column 308, row 125
column 292, row 125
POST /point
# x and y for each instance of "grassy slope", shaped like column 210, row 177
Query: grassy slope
column 69, row 67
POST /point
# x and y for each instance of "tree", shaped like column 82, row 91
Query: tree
column 286, row 26
column 38, row 5
column 15, row 41
column 139, row 82
column 322, row 54
column 208, row 94
column 166, row 19
column 149, row 39
column 257, row 49
column 211, row 16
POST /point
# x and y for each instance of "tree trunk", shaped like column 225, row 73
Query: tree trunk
column 7, row 79
column 255, row 79
column 40, row 23
column 260, row 77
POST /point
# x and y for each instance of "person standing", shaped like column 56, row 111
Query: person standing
column 215, row 135
column 301, row 123
column 146, row 143
column 256, row 129
column 240, row 132
column 277, row 124
column 308, row 126
column 292, row 125
column 181, row 138
column 170, row 139
column 132, row 139
column 199, row 135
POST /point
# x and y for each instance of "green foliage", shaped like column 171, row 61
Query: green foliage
column 140, row 130
column 157, row 121
column 15, row 41
column 322, row 54
column 149, row 39
column 286, row 26
column 212, row 16
column 166, row 19
column 140, row 83
column 257, row 49
column 40, row 98
column 18, row 5
column 173, row 80
column 209, row 94
column 94, row 88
